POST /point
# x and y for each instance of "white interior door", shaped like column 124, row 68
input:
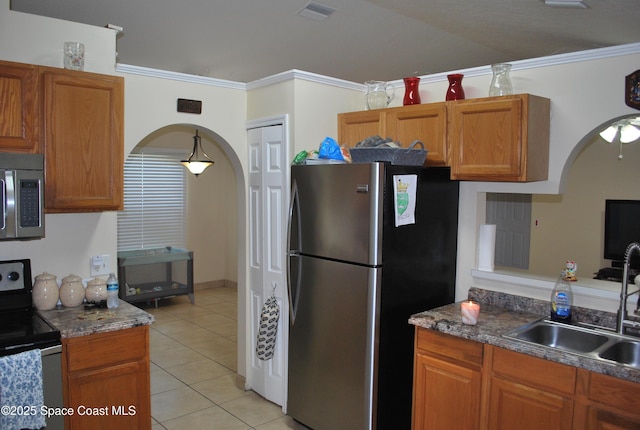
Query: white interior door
column 268, row 204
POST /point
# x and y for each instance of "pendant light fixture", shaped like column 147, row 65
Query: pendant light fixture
column 194, row 163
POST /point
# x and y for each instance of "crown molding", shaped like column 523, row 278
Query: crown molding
column 552, row 60
column 175, row 76
column 304, row 76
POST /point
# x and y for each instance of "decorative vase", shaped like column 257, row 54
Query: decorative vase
column 411, row 92
column 455, row 90
column 501, row 82
column 45, row 292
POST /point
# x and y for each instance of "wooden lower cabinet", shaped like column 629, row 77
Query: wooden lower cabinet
column 604, row 402
column 448, row 382
column 528, row 393
column 106, row 380
column 464, row 384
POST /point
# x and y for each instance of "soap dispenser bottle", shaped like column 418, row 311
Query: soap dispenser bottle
column 561, row 300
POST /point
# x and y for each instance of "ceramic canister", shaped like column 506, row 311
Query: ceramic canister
column 45, row 292
column 72, row 291
column 96, row 290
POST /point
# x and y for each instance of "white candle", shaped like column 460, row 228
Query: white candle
column 470, row 311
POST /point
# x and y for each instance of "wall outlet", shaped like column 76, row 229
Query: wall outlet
column 100, row 265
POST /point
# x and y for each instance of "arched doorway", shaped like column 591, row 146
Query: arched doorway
column 215, row 213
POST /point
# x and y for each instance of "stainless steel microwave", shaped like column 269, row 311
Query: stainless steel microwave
column 22, row 196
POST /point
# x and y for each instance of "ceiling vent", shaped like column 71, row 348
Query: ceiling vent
column 568, row 4
column 316, row 11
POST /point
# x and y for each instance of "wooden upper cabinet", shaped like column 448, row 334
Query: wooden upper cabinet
column 404, row 125
column 19, row 108
column 487, row 139
column 426, row 123
column 354, row 127
column 500, row 138
column 83, row 115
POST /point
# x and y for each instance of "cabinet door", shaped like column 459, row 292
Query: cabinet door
column 106, row 380
column 353, row 127
column 427, row 123
column 605, row 402
column 446, row 395
column 594, row 418
column 517, row 406
column 486, row 139
column 110, row 398
column 83, row 141
column 19, row 108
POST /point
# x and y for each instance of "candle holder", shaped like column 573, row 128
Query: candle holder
column 470, row 312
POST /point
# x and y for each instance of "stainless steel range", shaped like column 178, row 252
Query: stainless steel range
column 23, row 329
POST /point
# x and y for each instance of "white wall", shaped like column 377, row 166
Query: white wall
column 584, row 95
column 150, row 104
column 70, row 238
column 211, row 231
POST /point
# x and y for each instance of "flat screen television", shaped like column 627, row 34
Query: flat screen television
column 621, row 227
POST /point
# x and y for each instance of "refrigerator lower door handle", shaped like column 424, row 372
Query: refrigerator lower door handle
column 294, row 210
column 294, row 293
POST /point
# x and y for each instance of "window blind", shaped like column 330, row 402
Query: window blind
column 154, row 202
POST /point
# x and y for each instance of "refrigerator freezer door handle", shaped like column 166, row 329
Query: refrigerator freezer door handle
column 294, row 210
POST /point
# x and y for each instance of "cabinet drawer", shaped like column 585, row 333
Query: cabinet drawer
column 534, row 371
column 104, row 349
column 465, row 351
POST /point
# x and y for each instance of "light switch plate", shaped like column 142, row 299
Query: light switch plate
column 100, row 265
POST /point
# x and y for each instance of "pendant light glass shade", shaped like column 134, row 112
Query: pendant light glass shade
column 629, row 133
column 609, row 134
column 626, row 130
column 623, row 131
column 195, row 163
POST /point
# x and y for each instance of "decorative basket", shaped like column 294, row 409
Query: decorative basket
column 410, row 156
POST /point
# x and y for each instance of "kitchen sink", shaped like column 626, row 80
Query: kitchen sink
column 626, row 352
column 563, row 337
column 598, row 344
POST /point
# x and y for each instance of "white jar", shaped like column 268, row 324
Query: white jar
column 96, row 290
column 45, row 292
column 72, row 291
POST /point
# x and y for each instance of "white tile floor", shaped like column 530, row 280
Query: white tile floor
column 194, row 364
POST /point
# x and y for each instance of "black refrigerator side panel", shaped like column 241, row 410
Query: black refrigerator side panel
column 419, row 269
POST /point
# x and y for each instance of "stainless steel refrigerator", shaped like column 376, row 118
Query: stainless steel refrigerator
column 354, row 279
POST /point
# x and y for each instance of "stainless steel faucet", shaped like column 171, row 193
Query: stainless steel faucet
column 624, row 294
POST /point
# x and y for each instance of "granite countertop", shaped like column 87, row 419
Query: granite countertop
column 78, row 321
column 500, row 313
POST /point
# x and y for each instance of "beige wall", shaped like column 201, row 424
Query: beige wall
column 212, row 207
column 150, row 105
column 584, row 94
column 571, row 226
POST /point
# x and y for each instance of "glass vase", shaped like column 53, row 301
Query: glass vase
column 411, row 91
column 455, row 90
column 501, row 82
